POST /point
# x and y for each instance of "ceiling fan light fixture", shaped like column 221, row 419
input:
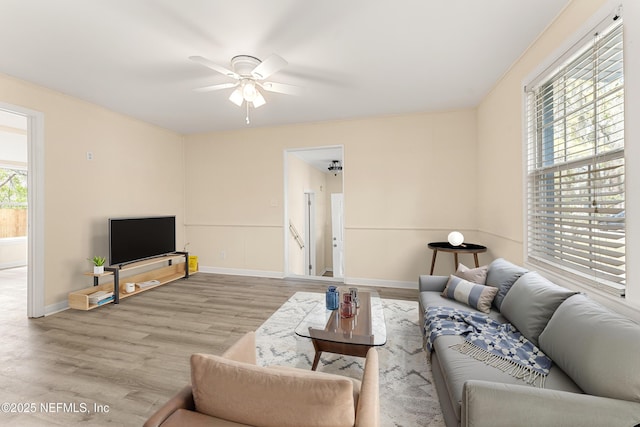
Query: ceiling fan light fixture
column 249, row 90
column 236, row 97
column 259, row 100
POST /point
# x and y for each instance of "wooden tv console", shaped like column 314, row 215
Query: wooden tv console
column 176, row 267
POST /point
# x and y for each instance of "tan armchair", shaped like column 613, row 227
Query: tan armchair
column 232, row 391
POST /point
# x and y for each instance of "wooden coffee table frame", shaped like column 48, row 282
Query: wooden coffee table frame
column 349, row 336
column 358, row 350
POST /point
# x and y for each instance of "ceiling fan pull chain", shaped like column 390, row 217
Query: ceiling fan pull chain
column 247, row 118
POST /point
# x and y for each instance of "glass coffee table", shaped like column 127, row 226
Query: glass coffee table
column 352, row 336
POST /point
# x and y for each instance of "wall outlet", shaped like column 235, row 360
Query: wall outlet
column 223, row 254
column 89, row 155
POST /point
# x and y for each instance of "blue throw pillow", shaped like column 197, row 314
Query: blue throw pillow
column 471, row 294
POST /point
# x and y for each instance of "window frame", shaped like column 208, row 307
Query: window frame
column 541, row 79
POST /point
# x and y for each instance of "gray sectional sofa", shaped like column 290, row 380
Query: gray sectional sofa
column 594, row 379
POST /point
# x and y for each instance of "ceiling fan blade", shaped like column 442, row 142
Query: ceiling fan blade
column 215, row 67
column 281, row 88
column 216, row 87
column 269, row 66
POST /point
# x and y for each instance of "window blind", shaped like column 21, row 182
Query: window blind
column 575, row 163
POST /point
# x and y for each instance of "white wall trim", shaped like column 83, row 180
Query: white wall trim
column 280, row 275
column 36, row 203
column 56, row 308
column 381, row 283
column 242, row 272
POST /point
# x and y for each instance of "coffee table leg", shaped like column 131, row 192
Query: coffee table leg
column 316, row 360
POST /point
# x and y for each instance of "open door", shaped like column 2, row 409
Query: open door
column 337, row 233
column 309, row 233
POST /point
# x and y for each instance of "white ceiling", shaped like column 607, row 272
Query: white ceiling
column 355, row 58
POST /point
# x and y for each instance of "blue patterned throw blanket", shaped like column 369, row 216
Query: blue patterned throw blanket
column 497, row 344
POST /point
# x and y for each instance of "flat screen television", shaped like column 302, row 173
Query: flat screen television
column 136, row 239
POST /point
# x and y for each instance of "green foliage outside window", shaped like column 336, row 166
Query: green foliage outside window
column 13, row 188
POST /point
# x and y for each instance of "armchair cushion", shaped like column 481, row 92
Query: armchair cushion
column 266, row 397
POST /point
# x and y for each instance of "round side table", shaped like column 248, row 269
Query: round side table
column 465, row 248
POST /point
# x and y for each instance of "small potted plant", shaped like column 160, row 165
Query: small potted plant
column 98, row 264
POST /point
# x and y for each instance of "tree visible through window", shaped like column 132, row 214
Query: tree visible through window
column 576, row 197
column 13, row 203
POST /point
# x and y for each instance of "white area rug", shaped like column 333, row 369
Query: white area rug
column 407, row 396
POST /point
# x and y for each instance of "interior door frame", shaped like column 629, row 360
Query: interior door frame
column 35, row 207
column 310, row 233
column 286, row 241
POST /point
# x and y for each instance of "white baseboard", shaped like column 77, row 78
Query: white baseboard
column 242, row 272
column 279, row 275
column 56, row 308
column 381, row 283
column 64, row 305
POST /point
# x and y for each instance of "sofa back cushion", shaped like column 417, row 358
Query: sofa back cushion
column 597, row 348
column 502, row 274
column 531, row 302
column 265, row 397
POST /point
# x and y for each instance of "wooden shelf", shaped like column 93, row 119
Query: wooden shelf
column 175, row 270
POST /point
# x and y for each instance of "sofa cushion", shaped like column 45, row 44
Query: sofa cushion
column 475, row 275
column 502, row 274
column 265, row 397
column 597, row 348
column 472, row 294
column 457, row 368
column 531, row 302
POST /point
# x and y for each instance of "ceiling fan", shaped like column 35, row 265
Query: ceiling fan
column 249, row 74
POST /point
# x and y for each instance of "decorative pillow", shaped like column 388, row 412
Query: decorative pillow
column 596, row 347
column 531, row 302
column 472, row 294
column 475, row 275
column 265, row 397
column 502, row 274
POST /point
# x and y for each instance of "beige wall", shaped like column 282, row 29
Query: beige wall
column 500, row 139
column 137, row 170
column 500, row 213
column 408, row 180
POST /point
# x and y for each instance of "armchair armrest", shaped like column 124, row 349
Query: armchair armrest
column 243, row 350
column 182, row 400
column 368, row 411
column 496, row 404
column 432, row 283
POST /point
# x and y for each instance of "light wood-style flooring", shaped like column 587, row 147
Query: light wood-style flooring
column 127, row 358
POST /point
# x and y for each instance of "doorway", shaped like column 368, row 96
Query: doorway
column 312, row 218
column 19, row 127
